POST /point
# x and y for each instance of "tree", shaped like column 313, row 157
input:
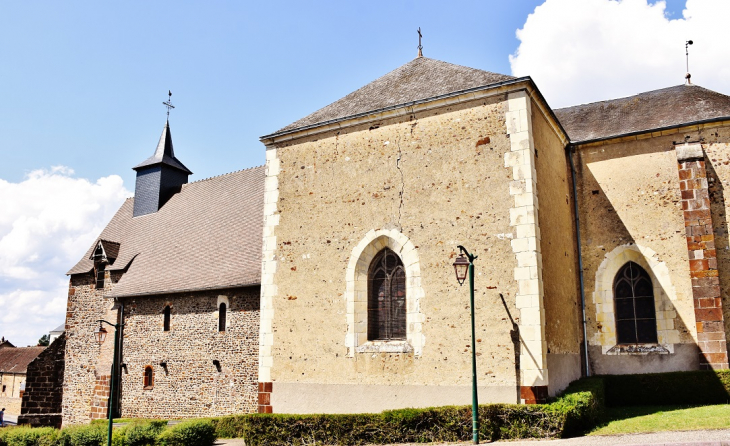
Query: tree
column 44, row 340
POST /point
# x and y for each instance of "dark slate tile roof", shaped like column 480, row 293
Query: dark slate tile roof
column 208, row 236
column 164, row 154
column 16, row 360
column 656, row 109
column 421, row 78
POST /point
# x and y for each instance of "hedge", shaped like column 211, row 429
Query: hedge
column 675, row 388
column 138, row 433
column 569, row 415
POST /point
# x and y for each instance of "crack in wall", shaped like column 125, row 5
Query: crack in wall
column 402, row 179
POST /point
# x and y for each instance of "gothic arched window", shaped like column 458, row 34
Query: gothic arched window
column 634, row 300
column 222, row 317
column 386, row 297
column 149, row 377
column 166, row 319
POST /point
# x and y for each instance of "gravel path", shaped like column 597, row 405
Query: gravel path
column 720, row 437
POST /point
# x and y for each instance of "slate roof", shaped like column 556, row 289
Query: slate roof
column 16, row 360
column 668, row 107
column 421, row 78
column 164, row 154
column 207, row 236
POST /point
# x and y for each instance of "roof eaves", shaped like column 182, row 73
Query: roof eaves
column 654, row 129
column 185, row 290
column 494, row 85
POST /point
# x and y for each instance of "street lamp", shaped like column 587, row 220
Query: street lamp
column 100, row 335
column 461, row 266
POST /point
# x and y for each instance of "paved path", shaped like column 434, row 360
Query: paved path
column 720, row 437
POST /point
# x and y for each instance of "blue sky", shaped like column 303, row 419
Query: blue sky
column 82, row 85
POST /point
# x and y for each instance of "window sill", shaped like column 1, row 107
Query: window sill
column 385, row 347
column 638, row 349
column 148, row 387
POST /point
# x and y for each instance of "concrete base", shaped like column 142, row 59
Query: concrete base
column 564, row 369
column 302, row 398
column 685, row 357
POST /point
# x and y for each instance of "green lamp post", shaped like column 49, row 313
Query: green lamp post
column 100, row 335
column 461, row 266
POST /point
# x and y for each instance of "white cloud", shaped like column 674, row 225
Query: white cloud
column 580, row 51
column 47, row 223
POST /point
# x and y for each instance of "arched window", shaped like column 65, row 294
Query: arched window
column 386, row 297
column 634, row 299
column 166, row 319
column 222, row 317
column 149, row 377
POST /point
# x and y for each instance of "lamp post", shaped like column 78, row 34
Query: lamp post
column 100, row 335
column 461, row 266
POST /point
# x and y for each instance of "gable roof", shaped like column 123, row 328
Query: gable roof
column 207, row 236
column 421, row 78
column 16, row 359
column 658, row 109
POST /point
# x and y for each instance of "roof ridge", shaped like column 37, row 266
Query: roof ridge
column 631, row 96
column 223, row 174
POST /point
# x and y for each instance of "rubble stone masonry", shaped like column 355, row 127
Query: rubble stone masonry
column 187, row 383
column 43, row 392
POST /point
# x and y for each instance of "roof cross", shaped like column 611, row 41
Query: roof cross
column 686, row 53
column 420, row 47
column 168, row 103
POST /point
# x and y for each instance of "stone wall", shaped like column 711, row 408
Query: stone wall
column 86, row 361
column 559, row 252
column 189, row 384
column 431, row 180
column 631, row 209
column 12, row 384
column 42, row 401
column 11, row 405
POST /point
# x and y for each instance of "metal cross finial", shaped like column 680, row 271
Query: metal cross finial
column 168, row 104
column 686, row 53
column 420, row 47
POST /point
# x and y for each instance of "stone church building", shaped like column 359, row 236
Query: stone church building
column 323, row 281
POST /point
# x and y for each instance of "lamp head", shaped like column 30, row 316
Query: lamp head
column 461, row 267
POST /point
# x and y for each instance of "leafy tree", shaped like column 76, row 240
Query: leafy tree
column 44, row 340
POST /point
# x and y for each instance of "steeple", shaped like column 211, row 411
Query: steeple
column 159, row 177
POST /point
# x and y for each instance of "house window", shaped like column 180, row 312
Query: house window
column 166, row 319
column 222, row 317
column 149, row 377
column 100, row 277
column 634, row 300
column 386, row 297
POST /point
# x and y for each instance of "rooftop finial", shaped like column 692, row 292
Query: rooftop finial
column 168, row 104
column 686, row 53
column 420, row 47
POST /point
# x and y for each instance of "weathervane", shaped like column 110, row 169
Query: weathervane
column 168, row 104
column 420, row 47
column 686, row 53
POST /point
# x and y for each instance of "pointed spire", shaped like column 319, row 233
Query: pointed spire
column 164, row 154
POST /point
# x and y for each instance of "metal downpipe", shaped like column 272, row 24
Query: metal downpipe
column 571, row 151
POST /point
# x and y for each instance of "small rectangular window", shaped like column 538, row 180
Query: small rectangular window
column 100, row 278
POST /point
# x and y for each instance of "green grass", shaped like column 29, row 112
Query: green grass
column 639, row 419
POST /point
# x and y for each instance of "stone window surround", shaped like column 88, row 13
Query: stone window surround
column 148, row 385
column 356, row 294
column 222, row 299
column 664, row 293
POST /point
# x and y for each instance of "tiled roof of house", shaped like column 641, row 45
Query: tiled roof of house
column 207, row 236
column 656, row 109
column 16, row 360
column 421, row 78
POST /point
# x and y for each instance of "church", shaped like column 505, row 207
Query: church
column 323, row 282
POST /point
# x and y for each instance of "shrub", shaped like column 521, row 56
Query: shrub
column 143, row 433
column 189, row 433
column 26, row 436
column 675, row 388
column 84, row 435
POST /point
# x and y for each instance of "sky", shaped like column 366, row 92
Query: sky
column 82, row 85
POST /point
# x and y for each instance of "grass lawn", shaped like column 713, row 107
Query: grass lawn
column 627, row 420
